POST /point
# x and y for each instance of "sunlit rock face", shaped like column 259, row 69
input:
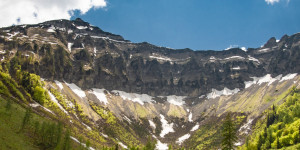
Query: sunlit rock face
column 77, row 52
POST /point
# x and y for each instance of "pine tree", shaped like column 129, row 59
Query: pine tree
column 150, row 144
column 228, row 133
column 8, row 105
column 26, row 119
column 67, row 141
column 247, row 143
column 259, row 142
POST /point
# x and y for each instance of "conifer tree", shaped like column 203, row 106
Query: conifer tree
column 228, row 133
column 26, row 118
column 67, row 141
column 8, row 105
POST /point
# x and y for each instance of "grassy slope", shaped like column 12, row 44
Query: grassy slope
column 10, row 124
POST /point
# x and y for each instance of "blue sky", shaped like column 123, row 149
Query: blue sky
column 197, row 24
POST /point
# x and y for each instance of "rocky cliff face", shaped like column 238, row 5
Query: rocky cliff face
column 166, row 93
column 75, row 51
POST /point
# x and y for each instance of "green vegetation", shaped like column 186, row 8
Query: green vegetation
column 280, row 128
column 105, row 114
column 32, row 135
column 228, row 133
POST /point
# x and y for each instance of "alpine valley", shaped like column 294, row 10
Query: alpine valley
column 70, row 85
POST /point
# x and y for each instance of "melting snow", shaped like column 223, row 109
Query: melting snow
column 104, row 135
column 161, row 146
column 264, row 50
column 244, row 49
column 253, row 59
column 99, row 93
column 215, row 93
column 190, row 117
column 70, row 46
column 268, row 79
column 107, row 38
column 246, row 127
column 51, row 29
column 70, row 31
column 288, row 77
column 238, row 144
column 77, row 90
column 152, row 124
column 37, row 104
column 52, row 97
column 202, row 96
column 236, row 68
column 234, row 57
column 139, row 98
column 2, row 52
column 81, row 27
column 196, row 127
column 95, row 51
column 89, row 128
column 176, row 100
column 59, row 84
column 161, row 58
column 74, row 139
column 123, row 145
column 166, row 127
column 183, row 138
column 127, row 119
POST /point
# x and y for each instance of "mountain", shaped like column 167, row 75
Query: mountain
column 124, row 92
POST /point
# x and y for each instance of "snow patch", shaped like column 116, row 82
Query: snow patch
column 162, row 58
column 99, row 93
column 244, row 49
column 107, row 38
column 51, row 29
column 77, row 90
column 2, row 51
column 52, row 97
column 81, row 27
column 59, row 84
column 264, row 50
column 70, row 46
column 236, row 68
column 139, row 98
column 215, row 93
column 183, row 138
column 190, row 117
column 152, row 124
column 288, row 77
column 268, row 79
column 95, row 51
column 246, row 128
column 238, row 144
column 176, row 100
column 122, row 145
column 161, row 146
column 127, row 119
column 166, row 127
column 253, row 59
column 235, row 57
column 74, row 139
column 34, row 105
column 89, row 128
column 104, row 135
column 196, row 127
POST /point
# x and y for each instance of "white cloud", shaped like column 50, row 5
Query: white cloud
column 272, row 1
column 36, row 11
